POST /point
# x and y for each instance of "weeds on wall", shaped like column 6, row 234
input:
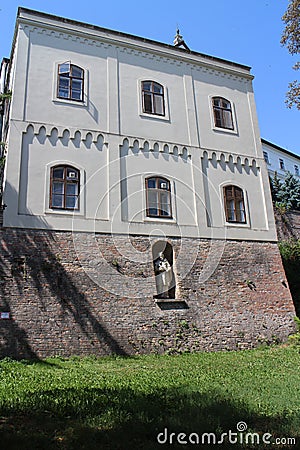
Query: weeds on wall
column 290, row 253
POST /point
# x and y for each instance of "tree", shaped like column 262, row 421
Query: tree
column 291, row 39
column 290, row 192
column 286, row 193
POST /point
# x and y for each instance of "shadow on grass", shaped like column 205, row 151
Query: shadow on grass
column 96, row 419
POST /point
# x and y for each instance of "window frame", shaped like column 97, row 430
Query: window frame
column 281, row 164
column 65, row 180
column 296, row 169
column 266, row 157
column 69, row 98
column 153, row 94
column 159, row 191
column 235, row 199
column 222, row 110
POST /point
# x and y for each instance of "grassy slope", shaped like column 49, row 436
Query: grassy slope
column 123, row 403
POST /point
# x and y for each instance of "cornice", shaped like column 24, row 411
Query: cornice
column 132, row 45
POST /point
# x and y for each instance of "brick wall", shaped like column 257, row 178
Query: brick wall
column 84, row 294
column 288, row 225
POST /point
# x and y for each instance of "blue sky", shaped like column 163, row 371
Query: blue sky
column 247, row 32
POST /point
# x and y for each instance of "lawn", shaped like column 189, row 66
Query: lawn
column 124, row 403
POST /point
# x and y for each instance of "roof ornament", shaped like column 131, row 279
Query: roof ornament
column 179, row 41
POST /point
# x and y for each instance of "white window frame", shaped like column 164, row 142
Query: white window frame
column 56, row 99
column 166, row 116
column 247, row 224
column 166, row 220
column 82, row 194
column 212, row 116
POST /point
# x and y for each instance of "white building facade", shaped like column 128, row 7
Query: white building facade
column 114, row 135
column 280, row 160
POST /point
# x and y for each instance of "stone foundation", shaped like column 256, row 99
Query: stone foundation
column 80, row 294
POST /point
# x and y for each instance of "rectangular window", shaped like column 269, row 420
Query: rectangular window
column 281, row 164
column 296, row 170
column 266, row 157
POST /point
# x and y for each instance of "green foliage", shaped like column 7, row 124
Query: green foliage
column 286, row 193
column 290, row 250
column 290, row 253
column 5, row 95
column 121, row 403
column 291, row 39
column 294, row 339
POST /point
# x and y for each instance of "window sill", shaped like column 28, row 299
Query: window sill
column 69, row 102
column 64, row 212
column 171, row 220
column 164, row 118
column 237, row 224
column 225, row 130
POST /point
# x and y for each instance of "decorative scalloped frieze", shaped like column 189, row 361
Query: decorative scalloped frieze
column 229, row 158
column 136, row 145
column 65, row 135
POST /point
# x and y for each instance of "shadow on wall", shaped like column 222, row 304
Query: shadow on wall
column 41, row 295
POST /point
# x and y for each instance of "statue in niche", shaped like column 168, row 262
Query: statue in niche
column 163, row 275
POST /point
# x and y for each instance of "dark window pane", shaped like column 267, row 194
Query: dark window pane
column 64, row 68
column 64, row 82
column 77, row 72
column 72, row 188
column 147, row 86
column 148, row 103
column 63, row 93
column 151, row 182
column 58, row 172
column 71, row 202
column 218, row 118
column 157, row 89
column 57, row 201
column 153, row 212
column 58, row 187
column 76, row 95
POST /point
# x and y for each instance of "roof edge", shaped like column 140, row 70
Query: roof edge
column 284, row 150
column 33, row 12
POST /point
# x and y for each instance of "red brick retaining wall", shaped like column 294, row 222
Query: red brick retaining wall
column 81, row 294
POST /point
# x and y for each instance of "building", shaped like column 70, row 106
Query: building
column 124, row 153
column 280, row 160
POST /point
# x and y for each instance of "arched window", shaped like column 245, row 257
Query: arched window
column 234, row 204
column 222, row 113
column 153, row 98
column 158, row 196
column 64, row 188
column 70, row 82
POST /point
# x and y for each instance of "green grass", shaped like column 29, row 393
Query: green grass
column 123, row 403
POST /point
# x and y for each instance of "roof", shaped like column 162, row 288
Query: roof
column 283, row 150
column 88, row 26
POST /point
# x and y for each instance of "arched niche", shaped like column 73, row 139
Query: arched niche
column 162, row 255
